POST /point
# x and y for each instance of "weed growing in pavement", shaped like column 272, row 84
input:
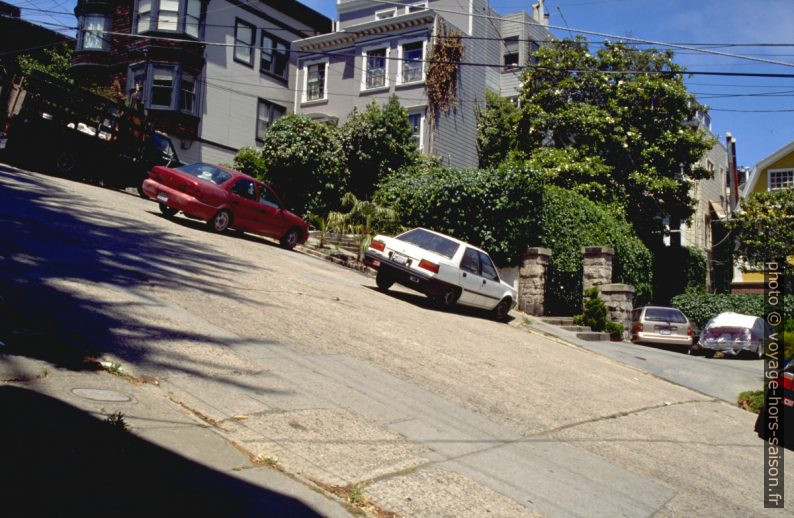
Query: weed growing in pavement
column 526, row 322
column 116, row 420
column 751, row 400
column 356, row 496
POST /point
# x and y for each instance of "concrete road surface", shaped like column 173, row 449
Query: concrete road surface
column 378, row 398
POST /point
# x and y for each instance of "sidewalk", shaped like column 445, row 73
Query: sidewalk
column 65, row 451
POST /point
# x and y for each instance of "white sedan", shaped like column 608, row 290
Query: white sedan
column 444, row 268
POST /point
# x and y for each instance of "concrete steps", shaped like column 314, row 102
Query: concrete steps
column 577, row 329
column 557, row 321
column 582, row 332
column 593, row 336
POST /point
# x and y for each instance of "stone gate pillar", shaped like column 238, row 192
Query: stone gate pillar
column 596, row 266
column 532, row 277
column 619, row 300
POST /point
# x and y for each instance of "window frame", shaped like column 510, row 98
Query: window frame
column 401, row 52
column 181, row 19
column 81, row 33
column 305, row 72
column 270, row 106
column 251, row 46
column 273, row 53
column 379, row 14
column 412, row 7
column 422, row 113
column 177, row 73
column 517, row 53
column 781, row 172
column 365, row 70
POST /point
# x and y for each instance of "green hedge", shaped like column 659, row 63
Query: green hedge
column 569, row 222
column 701, row 307
column 492, row 209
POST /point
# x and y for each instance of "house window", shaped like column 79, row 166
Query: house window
column 375, row 69
column 266, row 115
column 162, row 87
column 244, row 42
column 417, row 120
column 413, row 8
column 180, row 16
column 386, row 13
column 274, row 56
column 412, row 68
column 781, row 180
column 534, row 47
column 193, row 18
column 315, row 81
column 511, row 51
column 187, row 88
column 91, row 34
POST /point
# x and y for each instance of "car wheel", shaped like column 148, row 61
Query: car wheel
column 65, row 163
column 709, row 353
column 383, row 280
column 290, row 239
column 502, row 309
column 448, row 297
column 760, row 351
column 141, row 193
column 220, row 222
column 167, row 211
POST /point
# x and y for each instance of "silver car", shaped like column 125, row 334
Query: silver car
column 661, row 325
column 732, row 333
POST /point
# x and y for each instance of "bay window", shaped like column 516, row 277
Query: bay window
column 179, row 16
column 417, row 119
column 91, row 33
column 315, row 80
column 412, row 64
column 161, row 86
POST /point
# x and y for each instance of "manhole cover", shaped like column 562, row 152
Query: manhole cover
column 101, row 395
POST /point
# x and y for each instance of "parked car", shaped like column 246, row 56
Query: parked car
column 732, row 333
column 661, row 325
column 448, row 270
column 785, row 383
column 224, row 198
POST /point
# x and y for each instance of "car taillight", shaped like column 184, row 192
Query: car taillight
column 689, row 331
column 429, row 266
column 637, row 328
column 378, row 245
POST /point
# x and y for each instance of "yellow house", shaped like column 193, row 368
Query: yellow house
column 774, row 172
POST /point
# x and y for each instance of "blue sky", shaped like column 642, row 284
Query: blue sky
column 748, row 107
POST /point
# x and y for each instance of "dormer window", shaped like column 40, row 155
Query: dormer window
column 174, row 16
column 386, row 13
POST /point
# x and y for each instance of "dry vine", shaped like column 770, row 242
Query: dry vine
column 442, row 73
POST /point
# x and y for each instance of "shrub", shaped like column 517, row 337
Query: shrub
column 376, row 142
column 569, row 222
column 595, row 312
column 250, row 161
column 496, row 210
column 701, row 307
column 304, row 163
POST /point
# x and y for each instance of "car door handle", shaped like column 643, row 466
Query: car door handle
column 483, row 282
column 464, row 274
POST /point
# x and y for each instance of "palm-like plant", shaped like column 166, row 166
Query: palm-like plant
column 364, row 218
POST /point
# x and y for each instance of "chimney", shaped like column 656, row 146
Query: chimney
column 730, row 145
column 539, row 13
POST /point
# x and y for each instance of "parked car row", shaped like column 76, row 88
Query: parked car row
column 729, row 333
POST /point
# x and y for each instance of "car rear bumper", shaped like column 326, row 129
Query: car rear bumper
column 406, row 276
column 732, row 348
column 178, row 200
column 656, row 338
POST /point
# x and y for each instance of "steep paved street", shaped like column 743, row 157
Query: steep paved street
column 303, row 365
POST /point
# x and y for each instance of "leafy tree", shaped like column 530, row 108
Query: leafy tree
column 376, row 142
column 622, row 115
column 764, row 229
column 497, row 126
column 305, row 164
column 57, row 62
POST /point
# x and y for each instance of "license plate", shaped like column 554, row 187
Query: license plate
column 399, row 259
column 414, row 279
column 665, row 331
column 162, row 197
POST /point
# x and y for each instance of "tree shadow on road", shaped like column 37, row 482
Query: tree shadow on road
column 60, row 252
column 425, row 302
column 61, row 461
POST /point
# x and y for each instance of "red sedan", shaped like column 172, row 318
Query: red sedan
column 224, row 198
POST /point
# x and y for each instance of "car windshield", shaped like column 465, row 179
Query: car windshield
column 664, row 315
column 430, row 241
column 206, row 172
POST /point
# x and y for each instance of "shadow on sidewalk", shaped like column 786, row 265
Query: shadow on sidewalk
column 61, row 461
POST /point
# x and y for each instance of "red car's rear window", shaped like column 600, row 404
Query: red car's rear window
column 206, row 172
